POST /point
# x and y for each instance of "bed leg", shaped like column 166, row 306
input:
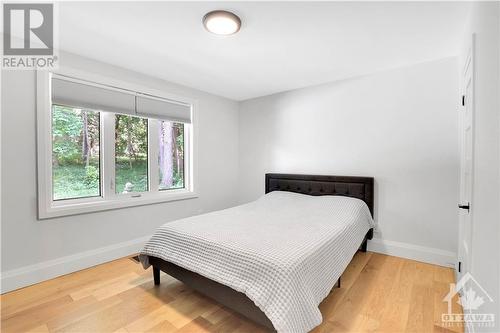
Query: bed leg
column 156, row 276
column 338, row 282
column 364, row 245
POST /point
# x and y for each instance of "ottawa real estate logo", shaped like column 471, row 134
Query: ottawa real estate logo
column 28, row 36
column 472, row 297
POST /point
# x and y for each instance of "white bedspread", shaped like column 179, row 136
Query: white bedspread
column 285, row 251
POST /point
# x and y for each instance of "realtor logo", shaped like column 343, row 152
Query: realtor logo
column 471, row 296
column 28, row 36
column 29, row 29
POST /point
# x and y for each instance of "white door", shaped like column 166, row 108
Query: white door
column 466, row 164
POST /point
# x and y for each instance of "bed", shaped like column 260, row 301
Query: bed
column 275, row 259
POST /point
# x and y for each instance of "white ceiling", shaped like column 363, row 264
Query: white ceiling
column 281, row 46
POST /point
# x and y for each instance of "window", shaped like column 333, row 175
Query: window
column 171, row 155
column 102, row 147
column 131, row 154
column 75, row 153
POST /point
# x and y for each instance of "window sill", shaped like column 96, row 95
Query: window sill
column 76, row 207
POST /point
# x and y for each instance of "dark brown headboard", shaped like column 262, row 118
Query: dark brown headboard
column 356, row 187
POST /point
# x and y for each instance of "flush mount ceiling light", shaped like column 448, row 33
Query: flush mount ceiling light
column 221, row 22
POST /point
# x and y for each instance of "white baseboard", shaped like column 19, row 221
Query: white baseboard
column 28, row 275
column 414, row 252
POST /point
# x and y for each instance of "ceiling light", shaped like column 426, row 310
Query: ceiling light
column 221, row 22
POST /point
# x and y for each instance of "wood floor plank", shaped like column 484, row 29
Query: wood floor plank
column 377, row 300
column 102, row 285
column 117, row 316
column 347, row 315
column 36, row 316
column 79, row 311
column 421, row 311
column 229, row 324
column 198, row 325
column 394, row 317
column 149, row 321
column 163, row 327
column 378, row 293
column 248, row 326
column 43, row 292
column 39, row 329
column 180, row 312
column 358, row 263
column 216, row 316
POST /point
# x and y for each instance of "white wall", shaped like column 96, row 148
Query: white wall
column 398, row 126
column 33, row 250
column 485, row 24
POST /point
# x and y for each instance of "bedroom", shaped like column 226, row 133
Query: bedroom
column 219, row 140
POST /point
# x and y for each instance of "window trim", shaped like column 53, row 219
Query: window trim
column 48, row 208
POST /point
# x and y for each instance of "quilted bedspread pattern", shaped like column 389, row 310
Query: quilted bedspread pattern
column 285, row 251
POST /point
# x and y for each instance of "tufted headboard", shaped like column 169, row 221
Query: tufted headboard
column 356, row 187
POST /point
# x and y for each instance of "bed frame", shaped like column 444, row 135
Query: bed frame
column 356, row 187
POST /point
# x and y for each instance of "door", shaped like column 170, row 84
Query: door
column 466, row 164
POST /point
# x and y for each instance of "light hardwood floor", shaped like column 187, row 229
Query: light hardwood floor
column 378, row 294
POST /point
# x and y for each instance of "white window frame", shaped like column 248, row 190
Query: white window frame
column 48, row 208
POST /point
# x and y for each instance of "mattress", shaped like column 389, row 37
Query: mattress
column 285, row 251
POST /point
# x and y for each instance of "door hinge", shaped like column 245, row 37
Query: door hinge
column 463, row 100
column 460, row 267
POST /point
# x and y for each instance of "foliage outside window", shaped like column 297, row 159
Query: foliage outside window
column 77, row 160
column 75, row 153
column 171, row 155
column 131, row 154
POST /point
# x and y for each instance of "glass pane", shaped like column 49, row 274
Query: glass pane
column 131, row 154
column 171, row 155
column 75, row 153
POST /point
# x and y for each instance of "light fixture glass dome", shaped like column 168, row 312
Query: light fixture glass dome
column 221, row 22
